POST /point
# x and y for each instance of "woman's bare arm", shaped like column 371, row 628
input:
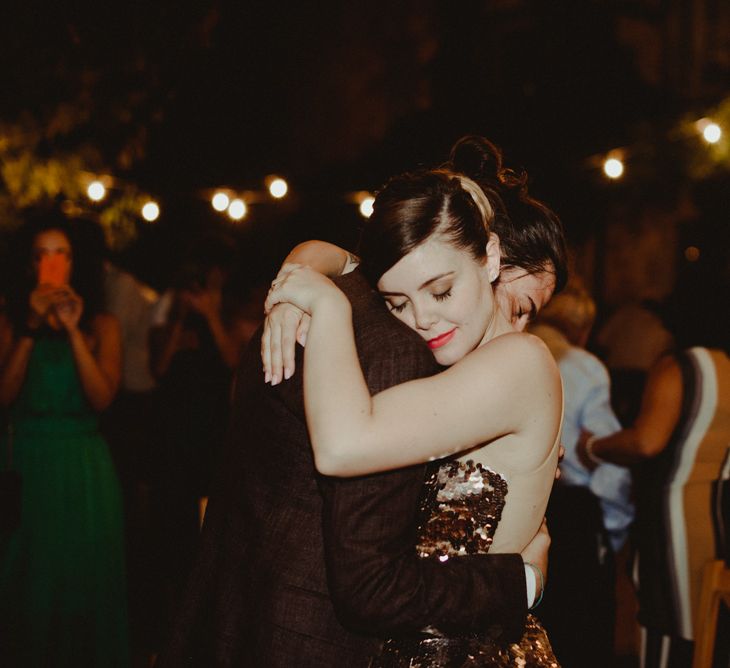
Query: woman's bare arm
column 285, row 324
column 507, row 386
column 661, row 405
column 14, row 356
column 99, row 369
column 324, row 257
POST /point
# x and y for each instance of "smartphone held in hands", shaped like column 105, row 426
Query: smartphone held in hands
column 53, row 270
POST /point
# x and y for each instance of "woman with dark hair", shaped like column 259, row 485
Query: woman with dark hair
column 495, row 410
column 533, row 264
column 62, row 583
column 534, row 257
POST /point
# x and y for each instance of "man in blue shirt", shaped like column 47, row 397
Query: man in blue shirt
column 590, row 512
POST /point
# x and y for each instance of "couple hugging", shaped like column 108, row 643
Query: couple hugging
column 381, row 498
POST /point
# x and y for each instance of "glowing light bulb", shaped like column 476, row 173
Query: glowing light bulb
column 366, row 206
column 712, row 133
column 278, row 188
column 150, row 211
column 237, row 209
column 220, row 201
column 613, row 168
column 96, row 191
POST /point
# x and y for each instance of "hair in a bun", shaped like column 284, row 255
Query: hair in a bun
column 531, row 235
column 482, row 161
column 478, row 158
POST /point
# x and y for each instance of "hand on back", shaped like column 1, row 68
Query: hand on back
column 284, row 327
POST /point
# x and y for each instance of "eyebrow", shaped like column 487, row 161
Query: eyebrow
column 424, row 285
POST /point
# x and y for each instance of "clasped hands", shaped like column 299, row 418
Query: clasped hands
column 294, row 295
column 205, row 301
column 59, row 304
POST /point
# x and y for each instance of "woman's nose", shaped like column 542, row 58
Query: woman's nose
column 424, row 318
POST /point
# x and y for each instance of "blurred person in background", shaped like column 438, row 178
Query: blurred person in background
column 62, row 579
column 678, row 448
column 632, row 338
column 128, row 426
column 195, row 344
column 590, row 512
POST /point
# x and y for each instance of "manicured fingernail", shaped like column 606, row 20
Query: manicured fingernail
column 275, row 379
column 267, row 377
column 287, row 373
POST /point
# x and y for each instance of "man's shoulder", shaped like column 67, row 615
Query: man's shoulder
column 357, row 289
column 582, row 363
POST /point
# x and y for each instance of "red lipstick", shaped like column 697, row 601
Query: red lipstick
column 441, row 340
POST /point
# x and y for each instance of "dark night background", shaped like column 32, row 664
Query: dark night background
column 336, row 96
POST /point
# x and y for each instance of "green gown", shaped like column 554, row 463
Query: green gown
column 62, row 581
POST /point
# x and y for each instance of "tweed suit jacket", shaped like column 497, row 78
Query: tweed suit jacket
column 298, row 570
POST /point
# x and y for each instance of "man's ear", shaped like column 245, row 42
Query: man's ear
column 494, row 257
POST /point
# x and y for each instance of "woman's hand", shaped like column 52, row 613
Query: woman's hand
column 68, row 307
column 206, row 302
column 582, row 452
column 285, row 325
column 301, row 286
column 41, row 300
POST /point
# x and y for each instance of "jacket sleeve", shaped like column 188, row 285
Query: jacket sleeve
column 379, row 585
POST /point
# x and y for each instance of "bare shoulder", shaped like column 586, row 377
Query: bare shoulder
column 518, row 373
column 665, row 377
column 520, row 365
column 520, row 352
column 666, row 366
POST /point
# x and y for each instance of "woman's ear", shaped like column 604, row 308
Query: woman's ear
column 494, row 257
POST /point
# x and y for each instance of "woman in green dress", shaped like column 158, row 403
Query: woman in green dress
column 62, row 582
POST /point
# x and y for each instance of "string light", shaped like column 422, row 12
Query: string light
column 366, row 206
column 96, row 191
column 220, row 201
column 151, row 211
column 278, row 187
column 613, row 168
column 237, row 209
column 712, row 133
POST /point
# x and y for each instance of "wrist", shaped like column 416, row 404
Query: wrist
column 73, row 331
column 333, row 301
column 588, row 448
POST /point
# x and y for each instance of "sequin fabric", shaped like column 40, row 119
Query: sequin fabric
column 461, row 509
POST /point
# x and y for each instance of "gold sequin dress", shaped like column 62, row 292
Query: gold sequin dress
column 462, row 507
